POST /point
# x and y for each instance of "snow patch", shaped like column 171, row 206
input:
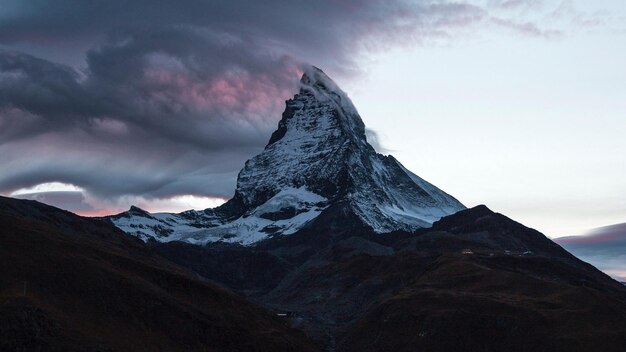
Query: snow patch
column 247, row 229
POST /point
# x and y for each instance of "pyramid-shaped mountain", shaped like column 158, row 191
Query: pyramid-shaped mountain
column 318, row 162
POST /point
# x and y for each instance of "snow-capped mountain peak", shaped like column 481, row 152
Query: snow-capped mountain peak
column 318, row 160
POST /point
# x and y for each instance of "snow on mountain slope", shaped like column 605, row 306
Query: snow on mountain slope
column 318, row 157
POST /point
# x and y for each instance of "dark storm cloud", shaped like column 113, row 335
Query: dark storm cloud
column 159, row 108
column 326, row 31
column 173, row 96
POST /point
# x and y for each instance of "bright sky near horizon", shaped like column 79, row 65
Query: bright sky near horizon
column 535, row 129
column 516, row 104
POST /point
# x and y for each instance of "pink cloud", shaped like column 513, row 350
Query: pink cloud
column 252, row 95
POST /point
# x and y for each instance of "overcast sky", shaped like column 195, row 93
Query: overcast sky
column 517, row 104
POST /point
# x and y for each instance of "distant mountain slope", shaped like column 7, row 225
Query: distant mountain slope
column 604, row 247
column 475, row 281
column 317, row 161
column 69, row 283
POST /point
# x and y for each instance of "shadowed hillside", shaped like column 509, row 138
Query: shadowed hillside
column 475, row 281
column 75, row 284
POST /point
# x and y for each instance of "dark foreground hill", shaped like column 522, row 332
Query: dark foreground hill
column 69, row 283
column 475, row 281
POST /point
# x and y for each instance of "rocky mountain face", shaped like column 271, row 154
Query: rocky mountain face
column 317, row 162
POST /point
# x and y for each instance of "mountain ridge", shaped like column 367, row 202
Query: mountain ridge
column 318, row 160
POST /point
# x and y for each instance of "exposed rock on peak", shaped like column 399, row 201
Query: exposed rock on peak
column 134, row 210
